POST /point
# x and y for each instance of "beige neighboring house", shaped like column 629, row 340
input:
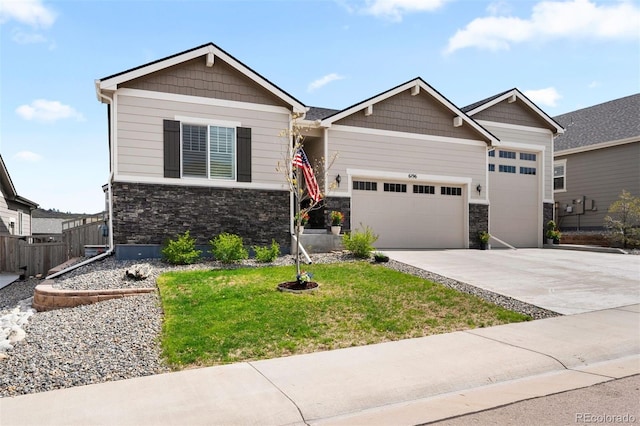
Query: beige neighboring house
column 194, row 143
column 15, row 211
column 596, row 158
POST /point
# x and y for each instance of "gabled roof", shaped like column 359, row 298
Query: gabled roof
column 417, row 84
column 317, row 113
column 9, row 191
column 511, row 95
column 616, row 120
column 110, row 83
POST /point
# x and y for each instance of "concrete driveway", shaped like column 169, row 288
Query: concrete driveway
column 564, row 281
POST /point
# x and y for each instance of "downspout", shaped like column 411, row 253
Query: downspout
column 109, row 252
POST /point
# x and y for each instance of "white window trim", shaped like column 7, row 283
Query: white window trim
column 562, row 163
column 199, row 121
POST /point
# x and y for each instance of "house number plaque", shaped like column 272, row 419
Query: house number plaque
column 413, row 176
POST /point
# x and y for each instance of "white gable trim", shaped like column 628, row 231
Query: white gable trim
column 163, row 96
column 396, row 134
column 410, row 85
column 206, row 51
column 511, row 96
column 515, row 127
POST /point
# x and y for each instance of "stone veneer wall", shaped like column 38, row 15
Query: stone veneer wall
column 151, row 214
column 342, row 204
column 478, row 221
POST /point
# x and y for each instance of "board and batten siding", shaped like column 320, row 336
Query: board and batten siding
column 599, row 175
column 140, row 135
column 538, row 137
column 412, row 156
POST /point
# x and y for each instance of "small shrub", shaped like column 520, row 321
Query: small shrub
column 267, row 254
column 228, row 248
column 380, row 257
column 360, row 243
column 181, row 251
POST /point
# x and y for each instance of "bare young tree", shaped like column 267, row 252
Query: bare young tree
column 305, row 193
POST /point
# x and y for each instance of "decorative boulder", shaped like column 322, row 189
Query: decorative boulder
column 139, row 271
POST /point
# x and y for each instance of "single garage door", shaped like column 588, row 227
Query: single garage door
column 513, row 193
column 410, row 215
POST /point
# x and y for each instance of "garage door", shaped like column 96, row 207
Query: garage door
column 513, row 194
column 410, row 215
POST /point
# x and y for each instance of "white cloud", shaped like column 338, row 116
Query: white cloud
column 29, row 156
column 47, row 111
column 395, row 9
column 547, row 97
column 594, row 84
column 575, row 19
column 30, row 12
column 21, row 37
column 322, row 81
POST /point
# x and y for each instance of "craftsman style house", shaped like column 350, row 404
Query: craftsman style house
column 15, row 211
column 595, row 160
column 195, row 139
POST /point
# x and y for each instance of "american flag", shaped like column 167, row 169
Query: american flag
column 301, row 160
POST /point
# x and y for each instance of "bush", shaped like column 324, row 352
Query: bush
column 360, row 243
column 228, row 248
column 267, row 254
column 181, row 251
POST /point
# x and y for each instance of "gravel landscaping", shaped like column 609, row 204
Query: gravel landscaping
column 118, row 339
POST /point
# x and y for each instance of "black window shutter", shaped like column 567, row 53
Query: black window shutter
column 244, row 154
column 171, row 149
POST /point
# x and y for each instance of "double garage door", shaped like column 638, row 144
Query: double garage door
column 409, row 214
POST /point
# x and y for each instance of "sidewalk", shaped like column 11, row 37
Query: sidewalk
column 404, row 382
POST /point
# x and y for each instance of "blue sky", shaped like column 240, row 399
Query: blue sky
column 564, row 55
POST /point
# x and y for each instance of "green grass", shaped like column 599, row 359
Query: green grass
column 223, row 316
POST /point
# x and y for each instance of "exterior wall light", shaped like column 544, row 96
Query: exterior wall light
column 338, row 180
column 479, row 189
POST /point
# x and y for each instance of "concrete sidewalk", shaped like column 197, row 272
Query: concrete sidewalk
column 405, row 382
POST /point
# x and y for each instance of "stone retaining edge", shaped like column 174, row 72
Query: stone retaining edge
column 47, row 298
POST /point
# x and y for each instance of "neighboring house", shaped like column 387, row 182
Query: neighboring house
column 15, row 211
column 46, row 225
column 195, row 139
column 597, row 158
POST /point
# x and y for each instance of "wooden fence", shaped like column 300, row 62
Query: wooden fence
column 36, row 254
column 84, row 235
column 19, row 255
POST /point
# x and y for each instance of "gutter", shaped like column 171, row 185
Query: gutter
column 111, row 249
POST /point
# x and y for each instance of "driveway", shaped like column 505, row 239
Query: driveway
column 564, row 281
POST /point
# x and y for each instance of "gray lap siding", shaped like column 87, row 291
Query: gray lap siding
column 152, row 214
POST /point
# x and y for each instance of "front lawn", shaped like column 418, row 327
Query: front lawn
column 222, row 316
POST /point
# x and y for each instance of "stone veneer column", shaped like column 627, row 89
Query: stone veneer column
column 547, row 214
column 151, row 214
column 342, row 204
column 478, row 221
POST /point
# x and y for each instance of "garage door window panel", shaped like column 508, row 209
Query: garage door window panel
column 506, row 169
column 360, row 185
column 424, row 189
column 395, row 187
column 451, row 190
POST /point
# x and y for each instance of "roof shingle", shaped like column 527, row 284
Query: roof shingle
column 610, row 121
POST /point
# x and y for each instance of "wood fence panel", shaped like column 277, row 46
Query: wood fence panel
column 80, row 236
column 9, row 254
column 39, row 258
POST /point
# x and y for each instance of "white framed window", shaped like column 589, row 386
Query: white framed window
column 208, row 151
column 560, row 176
